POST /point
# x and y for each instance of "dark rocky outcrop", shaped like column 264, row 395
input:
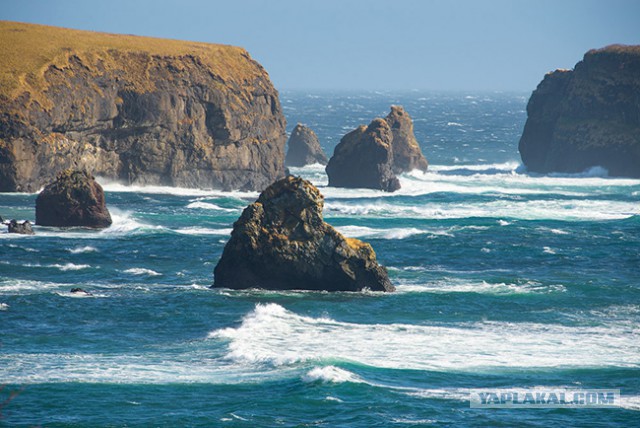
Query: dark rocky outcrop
column 136, row 109
column 407, row 154
column 587, row 117
column 281, row 242
column 74, row 199
column 304, row 148
column 364, row 159
column 80, row 291
column 23, row 228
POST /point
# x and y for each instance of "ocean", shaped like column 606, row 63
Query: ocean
column 505, row 281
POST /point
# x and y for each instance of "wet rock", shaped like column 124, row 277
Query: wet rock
column 80, row 291
column 74, row 199
column 304, row 148
column 364, row 159
column 23, row 228
column 281, row 242
column 407, row 154
column 587, row 117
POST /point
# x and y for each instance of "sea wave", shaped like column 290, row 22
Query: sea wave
column 452, row 285
column 142, row 271
column 113, row 186
column 270, row 334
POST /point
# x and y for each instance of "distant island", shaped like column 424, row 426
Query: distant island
column 135, row 109
column 587, row 117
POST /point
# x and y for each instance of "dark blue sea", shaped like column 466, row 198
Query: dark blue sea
column 505, row 281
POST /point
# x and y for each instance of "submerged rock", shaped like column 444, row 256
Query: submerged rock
column 364, row 159
column 74, row 199
column 304, row 148
column 407, row 154
column 587, row 117
column 23, row 228
column 281, row 242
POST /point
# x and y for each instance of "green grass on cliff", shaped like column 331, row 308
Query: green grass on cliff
column 28, row 50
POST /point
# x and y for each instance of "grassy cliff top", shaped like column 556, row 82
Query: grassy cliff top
column 617, row 49
column 28, row 50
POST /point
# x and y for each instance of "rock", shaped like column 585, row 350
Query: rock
column 364, row 159
column 407, row 154
column 587, row 117
column 23, row 228
column 80, row 291
column 74, row 199
column 304, row 148
column 138, row 110
column 281, row 242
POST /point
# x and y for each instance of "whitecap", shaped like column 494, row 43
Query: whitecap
column 142, row 271
column 548, row 250
column 330, row 374
column 4, row 307
column 204, row 231
column 69, row 266
column 391, row 233
column 209, row 206
column 114, row 186
column 81, row 250
column 452, row 285
column 272, row 335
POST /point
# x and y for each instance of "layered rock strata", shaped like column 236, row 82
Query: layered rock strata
column 135, row 109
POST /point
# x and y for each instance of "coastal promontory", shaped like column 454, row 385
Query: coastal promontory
column 587, row 117
column 281, row 242
column 135, row 109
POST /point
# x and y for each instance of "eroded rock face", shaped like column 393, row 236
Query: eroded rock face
column 364, row 159
column 587, row 117
column 74, row 199
column 135, row 109
column 281, row 242
column 304, row 148
column 407, row 154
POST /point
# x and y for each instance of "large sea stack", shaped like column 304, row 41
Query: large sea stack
column 304, row 148
column 136, row 109
column 588, row 116
column 364, row 159
column 281, row 242
column 73, row 199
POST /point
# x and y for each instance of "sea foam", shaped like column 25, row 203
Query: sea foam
column 270, row 334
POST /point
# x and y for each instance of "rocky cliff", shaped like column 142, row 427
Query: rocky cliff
column 587, row 117
column 136, row 109
column 281, row 242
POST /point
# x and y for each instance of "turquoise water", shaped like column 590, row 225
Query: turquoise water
column 505, row 280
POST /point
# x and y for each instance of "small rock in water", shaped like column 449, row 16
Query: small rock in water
column 78, row 290
column 74, row 199
column 23, row 228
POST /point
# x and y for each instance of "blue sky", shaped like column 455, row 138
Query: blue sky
column 374, row 44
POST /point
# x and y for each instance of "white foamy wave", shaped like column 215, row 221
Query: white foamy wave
column 81, row 250
column 452, row 285
column 271, row 334
column 152, row 368
column 69, row 266
column 209, row 206
column 331, row 374
column 4, row 307
column 124, row 223
column 142, row 271
column 567, row 210
column 112, row 186
column 392, row 233
column 22, row 286
column 204, row 231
